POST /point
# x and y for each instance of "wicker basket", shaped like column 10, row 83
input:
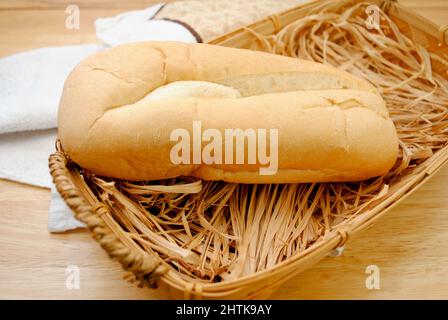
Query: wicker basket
column 150, row 269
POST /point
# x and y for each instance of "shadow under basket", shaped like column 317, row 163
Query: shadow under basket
column 213, row 240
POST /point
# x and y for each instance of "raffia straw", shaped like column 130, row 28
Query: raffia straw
column 215, row 231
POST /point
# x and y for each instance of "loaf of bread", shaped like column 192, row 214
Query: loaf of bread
column 157, row 110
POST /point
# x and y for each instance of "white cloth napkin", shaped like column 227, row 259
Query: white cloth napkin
column 31, row 84
column 136, row 26
column 30, row 87
column 24, row 156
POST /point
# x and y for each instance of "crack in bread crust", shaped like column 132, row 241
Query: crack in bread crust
column 111, row 122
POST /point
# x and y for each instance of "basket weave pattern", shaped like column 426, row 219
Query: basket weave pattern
column 147, row 268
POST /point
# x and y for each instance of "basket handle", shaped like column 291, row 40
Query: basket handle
column 146, row 268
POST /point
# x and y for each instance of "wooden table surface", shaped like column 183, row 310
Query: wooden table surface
column 408, row 245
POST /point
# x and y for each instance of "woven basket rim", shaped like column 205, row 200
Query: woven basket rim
column 337, row 238
column 62, row 173
column 393, row 7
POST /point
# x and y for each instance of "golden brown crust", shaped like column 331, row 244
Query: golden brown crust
column 332, row 126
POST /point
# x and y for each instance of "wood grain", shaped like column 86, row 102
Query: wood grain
column 408, row 244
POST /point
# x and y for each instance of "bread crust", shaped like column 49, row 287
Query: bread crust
column 331, row 125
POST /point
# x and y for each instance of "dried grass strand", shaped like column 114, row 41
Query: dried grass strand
column 214, row 231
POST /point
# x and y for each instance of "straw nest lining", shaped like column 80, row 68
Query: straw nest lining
column 216, row 231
